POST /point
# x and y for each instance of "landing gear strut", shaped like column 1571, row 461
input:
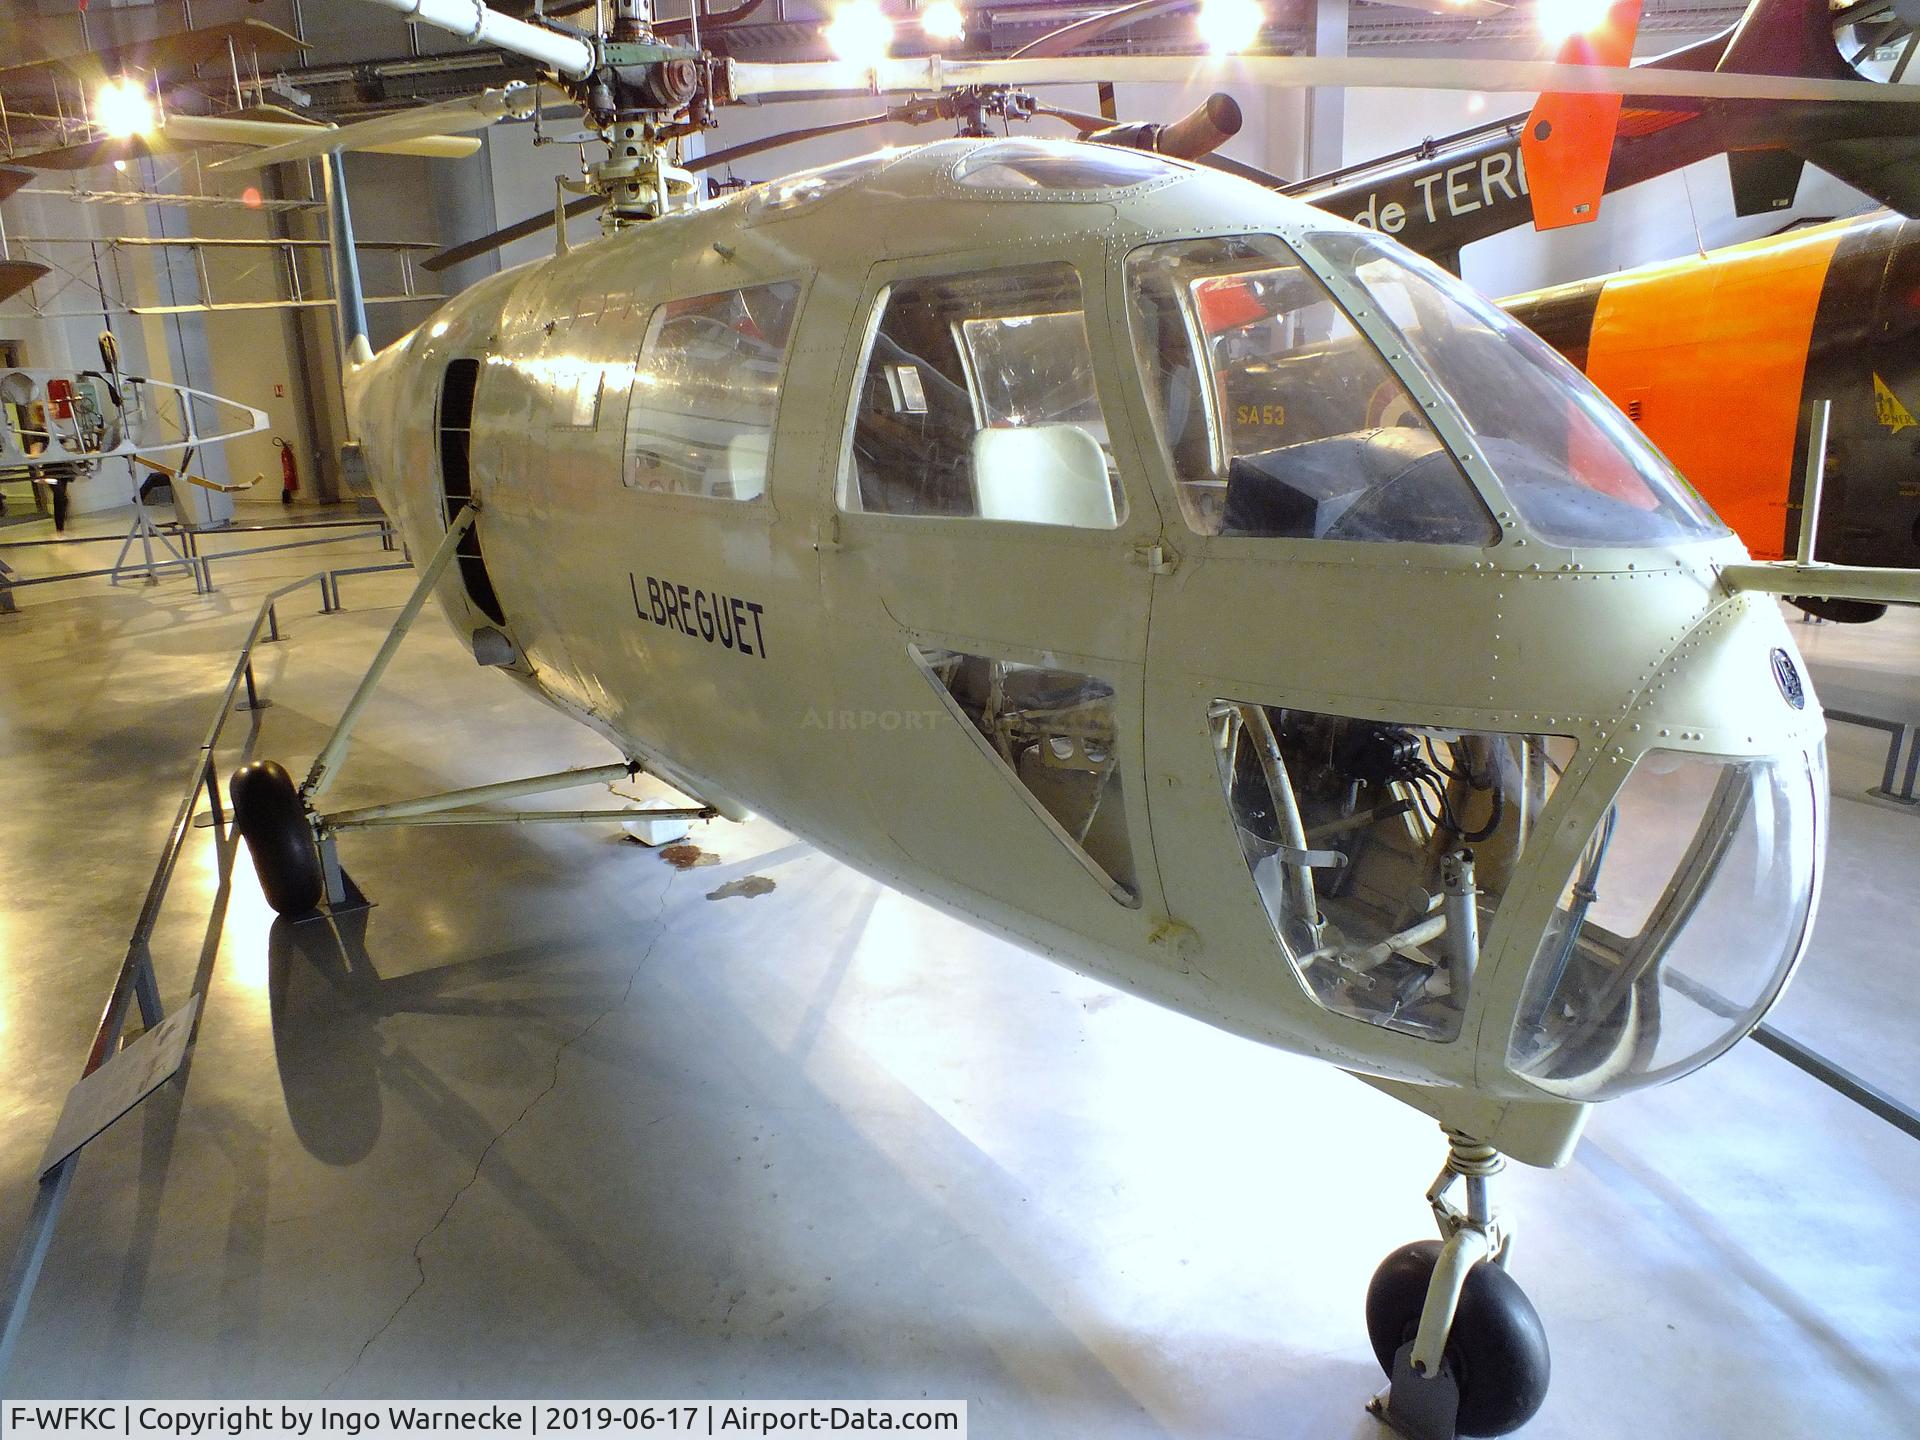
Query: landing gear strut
column 1463, row 1346
column 292, row 841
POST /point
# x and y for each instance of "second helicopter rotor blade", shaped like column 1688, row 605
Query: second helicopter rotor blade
column 506, row 235
column 765, row 143
column 1069, row 38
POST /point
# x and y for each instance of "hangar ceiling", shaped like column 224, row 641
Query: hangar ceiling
column 361, row 60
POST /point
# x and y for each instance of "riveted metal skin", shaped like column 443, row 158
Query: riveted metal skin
column 1622, row 649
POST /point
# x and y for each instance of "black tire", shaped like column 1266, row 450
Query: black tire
column 272, row 819
column 1496, row 1351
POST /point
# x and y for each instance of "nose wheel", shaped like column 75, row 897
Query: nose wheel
column 1463, row 1347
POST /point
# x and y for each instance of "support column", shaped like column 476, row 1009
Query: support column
column 1327, row 106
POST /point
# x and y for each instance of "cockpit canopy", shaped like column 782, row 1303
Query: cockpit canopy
column 1346, row 390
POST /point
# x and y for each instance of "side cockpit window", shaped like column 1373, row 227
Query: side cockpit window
column 1279, row 418
column 706, row 389
column 977, row 399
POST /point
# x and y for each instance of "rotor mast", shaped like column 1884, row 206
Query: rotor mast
column 631, row 85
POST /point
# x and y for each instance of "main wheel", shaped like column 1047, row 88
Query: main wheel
column 1496, row 1351
column 272, row 819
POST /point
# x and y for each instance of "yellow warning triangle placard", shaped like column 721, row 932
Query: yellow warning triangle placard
column 1887, row 407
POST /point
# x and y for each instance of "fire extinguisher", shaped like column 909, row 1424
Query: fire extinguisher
column 289, row 471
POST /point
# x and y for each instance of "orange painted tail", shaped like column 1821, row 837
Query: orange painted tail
column 1568, row 141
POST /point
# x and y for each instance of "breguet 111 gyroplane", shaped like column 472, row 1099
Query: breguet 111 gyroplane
column 1312, row 650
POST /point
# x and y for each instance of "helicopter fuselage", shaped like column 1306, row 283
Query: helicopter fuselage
column 1003, row 526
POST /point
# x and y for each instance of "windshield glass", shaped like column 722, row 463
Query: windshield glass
column 1277, row 416
column 1382, row 851
column 1576, row 469
column 1678, row 927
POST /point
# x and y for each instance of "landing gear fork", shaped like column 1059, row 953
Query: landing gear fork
column 1463, row 1346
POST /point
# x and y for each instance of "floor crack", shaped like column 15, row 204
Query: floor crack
column 553, row 1082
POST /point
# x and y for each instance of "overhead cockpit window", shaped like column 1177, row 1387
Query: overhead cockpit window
column 1576, row 469
column 1060, row 165
column 978, row 400
column 792, row 191
column 1280, row 419
column 705, row 391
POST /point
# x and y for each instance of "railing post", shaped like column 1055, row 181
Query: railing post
column 253, row 701
column 212, row 779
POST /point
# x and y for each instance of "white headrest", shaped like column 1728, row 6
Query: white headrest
column 1043, row 475
column 747, row 464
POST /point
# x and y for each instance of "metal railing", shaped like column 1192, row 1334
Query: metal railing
column 135, row 983
column 199, row 562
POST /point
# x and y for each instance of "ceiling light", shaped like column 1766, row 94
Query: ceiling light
column 1229, row 26
column 122, row 108
column 1561, row 20
column 943, row 20
column 860, row 33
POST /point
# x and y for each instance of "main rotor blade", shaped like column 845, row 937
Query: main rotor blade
column 1079, row 119
column 1453, row 9
column 506, row 234
column 1069, row 38
column 470, row 112
column 1227, row 165
column 787, row 137
column 243, row 130
column 768, row 79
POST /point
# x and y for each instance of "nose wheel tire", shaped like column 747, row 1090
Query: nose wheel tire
column 272, row 819
column 1496, row 1350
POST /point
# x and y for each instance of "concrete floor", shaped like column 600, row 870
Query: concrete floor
column 551, row 1120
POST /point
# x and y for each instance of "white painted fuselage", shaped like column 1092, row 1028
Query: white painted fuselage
column 770, row 650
